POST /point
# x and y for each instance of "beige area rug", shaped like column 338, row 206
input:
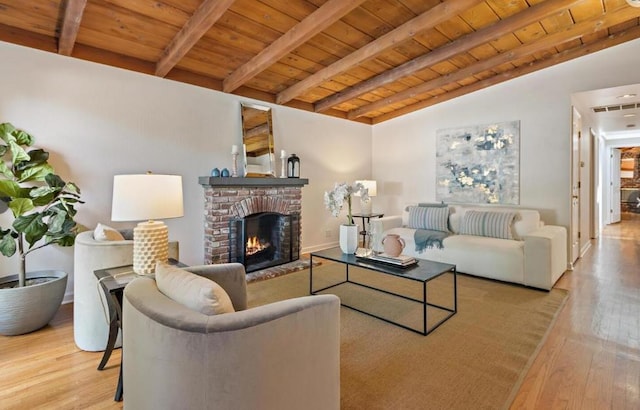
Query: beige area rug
column 475, row 360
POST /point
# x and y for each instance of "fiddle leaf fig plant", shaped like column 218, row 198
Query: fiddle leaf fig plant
column 42, row 203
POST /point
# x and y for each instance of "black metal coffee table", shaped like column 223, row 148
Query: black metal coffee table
column 424, row 271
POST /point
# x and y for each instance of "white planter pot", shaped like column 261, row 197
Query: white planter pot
column 349, row 238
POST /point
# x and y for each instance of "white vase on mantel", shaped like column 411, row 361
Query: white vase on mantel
column 348, row 238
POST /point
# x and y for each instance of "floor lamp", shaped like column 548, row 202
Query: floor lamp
column 147, row 198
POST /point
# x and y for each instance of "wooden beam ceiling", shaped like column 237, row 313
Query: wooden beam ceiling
column 426, row 20
column 70, row 25
column 566, row 55
column 465, row 43
column 363, row 60
column 202, row 20
column 316, row 22
column 589, row 26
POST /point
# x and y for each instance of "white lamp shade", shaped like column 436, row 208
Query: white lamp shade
column 146, row 197
column 371, row 185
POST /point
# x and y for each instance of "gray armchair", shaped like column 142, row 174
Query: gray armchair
column 284, row 355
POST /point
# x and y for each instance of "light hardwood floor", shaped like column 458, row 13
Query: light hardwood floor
column 590, row 360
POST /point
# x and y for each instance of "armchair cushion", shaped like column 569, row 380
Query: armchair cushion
column 195, row 292
column 231, row 276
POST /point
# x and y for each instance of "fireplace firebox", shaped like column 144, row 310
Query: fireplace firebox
column 264, row 239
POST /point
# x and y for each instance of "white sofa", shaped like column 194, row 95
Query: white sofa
column 535, row 257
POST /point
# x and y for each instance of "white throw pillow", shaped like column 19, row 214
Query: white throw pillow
column 106, row 233
column 193, row 291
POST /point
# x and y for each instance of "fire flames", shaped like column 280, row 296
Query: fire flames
column 254, row 245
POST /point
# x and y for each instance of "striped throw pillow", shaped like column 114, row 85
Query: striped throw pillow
column 491, row 224
column 432, row 218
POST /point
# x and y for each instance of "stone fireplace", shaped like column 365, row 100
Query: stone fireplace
column 254, row 221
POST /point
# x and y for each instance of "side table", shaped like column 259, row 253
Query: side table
column 365, row 224
column 112, row 281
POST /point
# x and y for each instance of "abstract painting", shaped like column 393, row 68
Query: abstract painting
column 479, row 164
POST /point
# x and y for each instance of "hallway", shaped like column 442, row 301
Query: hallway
column 591, row 358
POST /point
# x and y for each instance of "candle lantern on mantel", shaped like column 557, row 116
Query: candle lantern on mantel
column 293, row 166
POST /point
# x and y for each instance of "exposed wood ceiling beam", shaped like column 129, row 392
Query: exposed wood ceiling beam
column 578, row 30
column 561, row 57
column 316, row 22
column 529, row 16
column 428, row 19
column 70, row 25
column 203, row 18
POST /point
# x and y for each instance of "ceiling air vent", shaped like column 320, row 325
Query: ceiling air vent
column 631, row 125
column 617, row 107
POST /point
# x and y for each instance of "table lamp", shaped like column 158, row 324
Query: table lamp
column 147, row 197
column 366, row 204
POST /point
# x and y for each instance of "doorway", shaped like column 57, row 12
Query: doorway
column 628, row 182
column 576, row 126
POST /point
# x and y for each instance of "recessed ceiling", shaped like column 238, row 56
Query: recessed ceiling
column 364, row 60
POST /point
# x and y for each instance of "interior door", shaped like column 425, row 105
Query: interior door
column 614, row 195
column 575, row 186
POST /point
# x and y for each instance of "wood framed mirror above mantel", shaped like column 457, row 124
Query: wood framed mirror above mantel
column 257, row 140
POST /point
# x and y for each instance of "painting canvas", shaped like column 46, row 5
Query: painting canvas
column 479, row 164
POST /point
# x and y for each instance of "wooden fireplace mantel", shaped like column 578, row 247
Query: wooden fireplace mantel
column 255, row 182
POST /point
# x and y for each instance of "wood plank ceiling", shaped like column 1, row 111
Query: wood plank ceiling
column 365, row 60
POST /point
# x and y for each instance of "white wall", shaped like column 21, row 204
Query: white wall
column 98, row 121
column 542, row 103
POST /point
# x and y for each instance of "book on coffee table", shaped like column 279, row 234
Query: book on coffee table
column 400, row 260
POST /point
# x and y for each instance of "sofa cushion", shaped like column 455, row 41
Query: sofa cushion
column 492, row 224
column 106, row 233
column 430, row 218
column 526, row 221
column 493, row 258
column 193, row 291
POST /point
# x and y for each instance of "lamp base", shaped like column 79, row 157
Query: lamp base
column 365, row 206
column 150, row 244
